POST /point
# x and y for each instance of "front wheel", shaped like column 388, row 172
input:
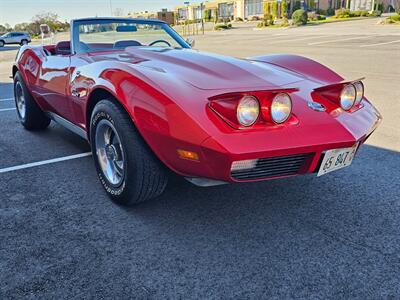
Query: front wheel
column 2, row 44
column 24, row 42
column 128, row 170
column 29, row 113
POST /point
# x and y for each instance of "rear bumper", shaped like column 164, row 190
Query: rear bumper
column 286, row 152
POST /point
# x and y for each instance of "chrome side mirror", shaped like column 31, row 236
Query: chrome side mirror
column 190, row 41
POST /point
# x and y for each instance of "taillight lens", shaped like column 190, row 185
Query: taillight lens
column 281, row 108
column 359, row 91
column 248, row 111
column 348, row 96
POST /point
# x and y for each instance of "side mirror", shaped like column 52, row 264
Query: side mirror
column 190, row 41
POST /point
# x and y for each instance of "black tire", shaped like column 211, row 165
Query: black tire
column 33, row 118
column 2, row 43
column 24, row 42
column 144, row 176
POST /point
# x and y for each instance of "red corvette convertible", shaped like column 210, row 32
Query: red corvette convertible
column 147, row 103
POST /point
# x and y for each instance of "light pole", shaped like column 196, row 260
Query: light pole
column 111, row 9
column 187, row 17
column 202, row 16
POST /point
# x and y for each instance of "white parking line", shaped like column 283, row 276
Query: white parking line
column 45, row 162
column 6, row 99
column 7, row 109
column 340, row 40
column 378, row 44
column 295, row 40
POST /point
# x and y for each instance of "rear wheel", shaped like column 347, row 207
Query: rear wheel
column 126, row 167
column 29, row 113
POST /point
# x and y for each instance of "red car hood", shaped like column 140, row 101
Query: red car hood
column 206, row 70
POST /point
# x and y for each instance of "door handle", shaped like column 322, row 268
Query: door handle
column 78, row 74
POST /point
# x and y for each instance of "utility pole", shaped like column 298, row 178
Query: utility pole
column 111, row 9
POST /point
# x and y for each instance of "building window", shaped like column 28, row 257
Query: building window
column 226, row 10
column 197, row 13
column 182, row 13
column 253, row 7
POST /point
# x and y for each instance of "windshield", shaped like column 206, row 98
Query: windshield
column 100, row 35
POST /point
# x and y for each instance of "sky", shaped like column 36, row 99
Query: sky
column 18, row 11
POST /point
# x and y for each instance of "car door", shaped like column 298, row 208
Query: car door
column 7, row 38
column 13, row 38
column 52, row 84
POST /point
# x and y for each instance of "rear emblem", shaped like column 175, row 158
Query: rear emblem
column 316, row 106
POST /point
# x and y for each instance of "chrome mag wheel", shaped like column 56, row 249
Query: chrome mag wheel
column 109, row 152
column 20, row 100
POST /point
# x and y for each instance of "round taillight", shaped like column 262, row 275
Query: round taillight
column 248, row 110
column 348, row 96
column 281, row 108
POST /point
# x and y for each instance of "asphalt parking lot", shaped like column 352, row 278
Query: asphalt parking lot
column 336, row 236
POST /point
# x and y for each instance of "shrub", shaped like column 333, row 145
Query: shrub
column 253, row 18
column 312, row 16
column 321, row 12
column 285, row 22
column 239, row 19
column 375, row 13
column 342, row 13
column 330, row 12
column 359, row 13
column 299, row 17
column 395, row 18
column 266, row 21
column 222, row 26
column 262, row 24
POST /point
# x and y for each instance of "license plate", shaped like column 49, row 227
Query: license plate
column 337, row 159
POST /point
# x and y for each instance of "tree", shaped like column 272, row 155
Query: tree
column 284, row 8
column 48, row 18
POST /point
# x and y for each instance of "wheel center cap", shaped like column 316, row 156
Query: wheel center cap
column 111, row 152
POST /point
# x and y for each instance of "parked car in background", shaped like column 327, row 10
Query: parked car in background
column 20, row 38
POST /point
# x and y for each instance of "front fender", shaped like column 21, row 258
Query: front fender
column 301, row 65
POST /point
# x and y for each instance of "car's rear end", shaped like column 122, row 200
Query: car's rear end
column 320, row 133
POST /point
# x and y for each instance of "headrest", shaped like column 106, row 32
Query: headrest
column 63, row 48
column 126, row 43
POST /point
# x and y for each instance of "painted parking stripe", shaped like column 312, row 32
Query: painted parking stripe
column 6, row 99
column 295, row 39
column 45, row 162
column 340, row 40
column 379, row 44
column 7, row 109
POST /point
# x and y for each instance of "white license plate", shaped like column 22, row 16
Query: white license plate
column 336, row 159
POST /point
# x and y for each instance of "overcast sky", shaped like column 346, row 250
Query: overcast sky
column 18, row 11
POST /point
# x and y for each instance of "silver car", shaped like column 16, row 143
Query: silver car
column 20, row 38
